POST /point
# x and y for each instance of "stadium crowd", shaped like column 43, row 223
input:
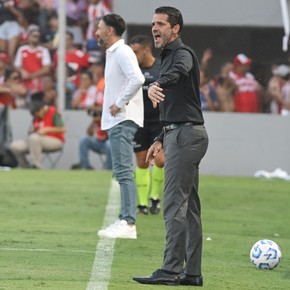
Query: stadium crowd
column 28, row 60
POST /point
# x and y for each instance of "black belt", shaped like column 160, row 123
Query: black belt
column 174, row 126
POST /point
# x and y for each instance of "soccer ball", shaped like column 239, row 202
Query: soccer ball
column 265, row 254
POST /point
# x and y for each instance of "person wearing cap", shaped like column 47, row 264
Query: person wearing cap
column 246, row 99
column 33, row 60
column 46, row 134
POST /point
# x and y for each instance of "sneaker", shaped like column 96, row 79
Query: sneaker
column 142, row 209
column 121, row 230
column 100, row 232
column 111, row 226
column 154, row 206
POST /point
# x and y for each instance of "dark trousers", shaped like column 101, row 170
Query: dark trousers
column 184, row 148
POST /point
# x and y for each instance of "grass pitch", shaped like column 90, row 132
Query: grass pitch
column 49, row 221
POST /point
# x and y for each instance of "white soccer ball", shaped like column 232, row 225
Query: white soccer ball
column 265, row 254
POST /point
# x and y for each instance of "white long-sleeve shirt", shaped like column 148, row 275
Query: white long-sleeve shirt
column 123, row 86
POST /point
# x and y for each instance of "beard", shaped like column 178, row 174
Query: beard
column 101, row 42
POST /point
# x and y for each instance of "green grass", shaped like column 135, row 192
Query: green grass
column 49, row 220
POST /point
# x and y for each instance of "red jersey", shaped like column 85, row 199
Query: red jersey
column 7, row 100
column 48, row 121
column 32, row 60
column 76, row 60
column 246, row 99
column 100, row 135
column 94, row 11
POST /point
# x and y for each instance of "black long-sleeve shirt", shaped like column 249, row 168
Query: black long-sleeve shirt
column 179, row 78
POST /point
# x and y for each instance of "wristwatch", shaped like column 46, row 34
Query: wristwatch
column 159, row 138
column 154, row 84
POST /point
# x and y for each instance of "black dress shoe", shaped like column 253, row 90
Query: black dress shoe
column 159, row 277
column 190, row 280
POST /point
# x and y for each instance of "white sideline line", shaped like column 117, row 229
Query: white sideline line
column 101, row 271
column 45, row 250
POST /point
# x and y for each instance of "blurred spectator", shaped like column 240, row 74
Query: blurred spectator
column 46, row 134
column 46, row 10
column 275, row 86
column 6, row 156
column 225, row 89
column 97, row 71
column 48, row 95
column 87, row 94
column 96, row 9
column 76, row 60
column 12, row 92
column 76, row 19
column 28, row 18
column 30, row 9
column 246, row 99
column 70, row 88
column 49, row 91
column 4, row 60
column 9, row 27
column 24, row 29
column 96, row 140
column 33, row 61
column 49, row 36
column 208, row 95
column 206, row 57
column 284, row 100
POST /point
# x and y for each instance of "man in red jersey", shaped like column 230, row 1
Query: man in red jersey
column 33, row 61
column 47, row 134
column 246, row 98
column 76, row 60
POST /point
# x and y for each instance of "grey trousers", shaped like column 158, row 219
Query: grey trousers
column 184, row 148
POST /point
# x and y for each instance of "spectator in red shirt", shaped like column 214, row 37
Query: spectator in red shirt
column 47, row 134
column 246, row 99
column 96, row 140
column 76, row 60
column 33, row 61
column 87, row 94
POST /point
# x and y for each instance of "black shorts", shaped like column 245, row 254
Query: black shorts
column 145, row 135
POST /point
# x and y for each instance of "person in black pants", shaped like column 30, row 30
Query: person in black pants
column 149, row 181
column 185, row 141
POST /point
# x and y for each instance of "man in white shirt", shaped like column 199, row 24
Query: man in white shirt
column 122, row 114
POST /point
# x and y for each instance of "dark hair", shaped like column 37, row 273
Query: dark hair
column 9, row 71
column 70, row 34
column 36, row 106
column 174, row 15
column 88, row 73
column 143, row 40
column 115, row 21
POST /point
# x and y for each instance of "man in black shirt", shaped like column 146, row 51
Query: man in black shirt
column 149, row 184
column 185, row 141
